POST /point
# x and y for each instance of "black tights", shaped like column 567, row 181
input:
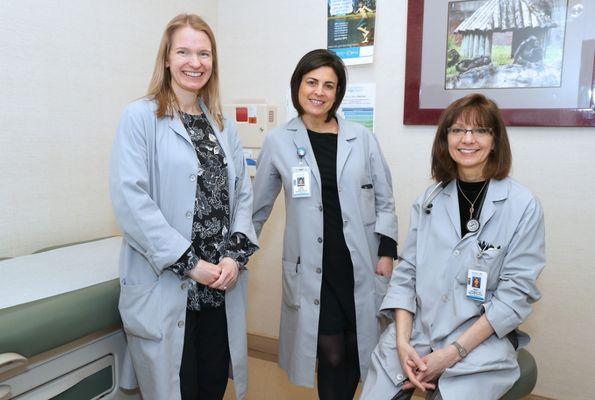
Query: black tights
column 338, row 366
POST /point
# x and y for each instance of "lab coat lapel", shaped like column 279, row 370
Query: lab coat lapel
column 228, row 154
column 300, row 138
column 497, row 191
column 344, row 144
column 452, row 206
column 218, row 133
column 175, row 124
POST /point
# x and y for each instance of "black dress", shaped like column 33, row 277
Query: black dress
column 337, row 304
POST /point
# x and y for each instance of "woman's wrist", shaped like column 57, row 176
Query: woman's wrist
column 402, row 341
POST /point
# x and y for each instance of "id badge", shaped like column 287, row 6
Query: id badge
column 477, row 282
column 300, row 182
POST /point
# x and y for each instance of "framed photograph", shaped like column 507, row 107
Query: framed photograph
column 535, row 58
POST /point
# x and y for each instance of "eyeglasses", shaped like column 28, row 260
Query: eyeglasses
column 478, row 132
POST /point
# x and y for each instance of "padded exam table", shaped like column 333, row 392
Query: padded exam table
column 60, row 331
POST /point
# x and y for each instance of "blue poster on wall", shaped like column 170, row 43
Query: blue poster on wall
column 351, row 30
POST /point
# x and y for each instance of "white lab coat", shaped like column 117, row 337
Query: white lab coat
column 153, row 187
column 430, row 282
column 368, row 209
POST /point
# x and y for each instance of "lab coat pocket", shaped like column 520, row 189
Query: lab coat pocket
column 368, row 204
column 140, row 308
column 488, row 261
column 292, row 283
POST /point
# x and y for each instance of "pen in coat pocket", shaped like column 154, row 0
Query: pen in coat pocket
column 296, row 265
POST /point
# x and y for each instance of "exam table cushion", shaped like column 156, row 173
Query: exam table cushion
column 42, row 325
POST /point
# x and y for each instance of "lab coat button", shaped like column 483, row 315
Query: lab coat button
column 189, row 214
column 180, row 324
column 339, row 188
column 319, row 240
column 444, row 298
column 316, row 301
column 400, row 377
column 318, row 270
column 456, row 252
column 319, row 208
column 192, row 178
column 184, row 286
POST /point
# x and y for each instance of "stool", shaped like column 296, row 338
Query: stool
column 526, row 382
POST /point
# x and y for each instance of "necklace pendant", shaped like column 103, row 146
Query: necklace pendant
column 472, row 225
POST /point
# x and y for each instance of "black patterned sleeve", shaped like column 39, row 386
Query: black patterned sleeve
column 387, row 247
column 185, row 263
column 240, row 248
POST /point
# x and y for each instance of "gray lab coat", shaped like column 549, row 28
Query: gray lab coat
column 431, row 282
column 368, row 209
column 153, row 187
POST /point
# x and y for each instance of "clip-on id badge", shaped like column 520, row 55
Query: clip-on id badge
column 300, row 181
column 477, row 282
column 300, row 177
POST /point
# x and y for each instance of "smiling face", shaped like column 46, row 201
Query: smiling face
column 190, row 61
column 470, row 152
column 317, row 92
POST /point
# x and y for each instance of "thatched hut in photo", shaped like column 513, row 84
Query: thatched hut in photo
column 525, row 18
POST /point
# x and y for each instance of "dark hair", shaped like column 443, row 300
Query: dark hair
column 481, row 111
column 311, row 61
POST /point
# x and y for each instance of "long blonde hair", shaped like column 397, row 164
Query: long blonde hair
column 160, row 87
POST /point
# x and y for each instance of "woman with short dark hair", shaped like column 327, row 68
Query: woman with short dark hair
column 312, row 61
column 467, row 276
column 340, row 230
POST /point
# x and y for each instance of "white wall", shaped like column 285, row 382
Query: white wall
column 262, row 40
column 67, row 68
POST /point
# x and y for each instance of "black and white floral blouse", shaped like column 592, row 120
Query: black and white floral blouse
column 211, row 239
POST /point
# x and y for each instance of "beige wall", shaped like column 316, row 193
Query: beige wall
column 67, row 68
column 262, row 40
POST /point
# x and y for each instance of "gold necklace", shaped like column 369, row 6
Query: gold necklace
column 472, row 224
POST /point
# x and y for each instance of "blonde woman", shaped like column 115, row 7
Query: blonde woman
column 183, row 200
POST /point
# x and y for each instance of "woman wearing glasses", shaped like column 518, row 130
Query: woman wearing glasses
column 468, row 273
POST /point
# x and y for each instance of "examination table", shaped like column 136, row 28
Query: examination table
column 60, row 331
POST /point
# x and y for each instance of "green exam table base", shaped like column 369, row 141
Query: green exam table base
column 40, row 326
